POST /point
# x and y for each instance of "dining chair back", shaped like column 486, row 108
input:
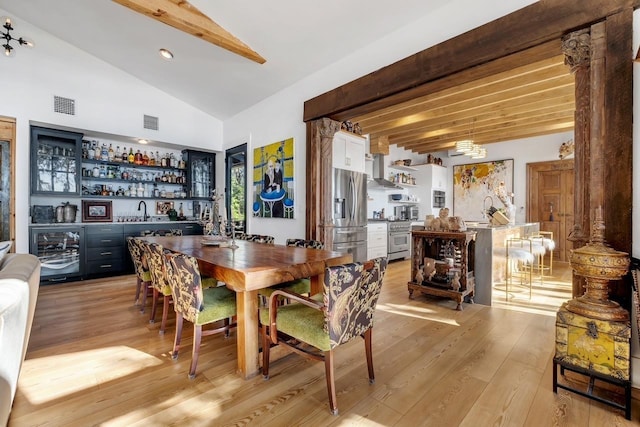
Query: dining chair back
column 170, row 232
column 259, row 238
column 143, row 275
column 305, row 243
column 155, row 258
column 346, row 311
column 198, row 305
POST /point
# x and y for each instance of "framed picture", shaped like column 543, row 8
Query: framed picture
column 273, row 181
column 96, row 211
column 163, row 207
column 475, row 184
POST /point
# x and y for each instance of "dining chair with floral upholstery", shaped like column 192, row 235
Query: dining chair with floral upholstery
column 258, row 238
column 143, row 276
column 198, row 305
column 170, row 232
column 154, row 254
column 346, row 311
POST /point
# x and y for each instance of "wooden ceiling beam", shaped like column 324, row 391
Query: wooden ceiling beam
column 180, row 14
column 533, row 92
column 505, row 133
column 542, row 70
column 466, row 125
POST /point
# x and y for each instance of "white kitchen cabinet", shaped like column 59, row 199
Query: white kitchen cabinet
column 430, row 178
column 376, row 239
column 349, row 151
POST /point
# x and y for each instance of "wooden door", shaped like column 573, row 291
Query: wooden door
column 7, row 178
column 551, row 193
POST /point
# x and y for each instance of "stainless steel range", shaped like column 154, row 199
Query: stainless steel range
column 399, row 240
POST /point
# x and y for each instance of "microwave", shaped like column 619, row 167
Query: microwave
column 414, row 212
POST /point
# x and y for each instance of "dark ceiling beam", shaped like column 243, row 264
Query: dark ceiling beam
column 543, row 21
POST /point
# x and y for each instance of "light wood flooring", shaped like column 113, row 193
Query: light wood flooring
column 95, row 360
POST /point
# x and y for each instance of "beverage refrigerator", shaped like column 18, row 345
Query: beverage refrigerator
column 59, row 251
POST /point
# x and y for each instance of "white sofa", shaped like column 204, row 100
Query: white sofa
column 19, row 282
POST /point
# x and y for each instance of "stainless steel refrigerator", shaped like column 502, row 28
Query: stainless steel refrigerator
column 350, row 213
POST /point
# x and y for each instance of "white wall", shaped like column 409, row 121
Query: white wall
column 522, row 151
column 280, row 116
column 107, row 100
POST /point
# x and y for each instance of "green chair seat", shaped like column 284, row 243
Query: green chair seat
column 300, row 321
column 219, row 303
column 299, row 286
column 209, row 282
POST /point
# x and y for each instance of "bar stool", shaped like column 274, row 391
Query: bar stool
column 519, row 261
column 545, row 239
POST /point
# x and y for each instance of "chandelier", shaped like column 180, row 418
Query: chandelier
column 8, row 38
column 468, row 148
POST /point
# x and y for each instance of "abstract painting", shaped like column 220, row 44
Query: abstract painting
column 474, row 187
column 273, row 184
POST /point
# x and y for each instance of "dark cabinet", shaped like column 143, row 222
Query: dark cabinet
column 201, row 173
column 105, row 248
column 55, row 160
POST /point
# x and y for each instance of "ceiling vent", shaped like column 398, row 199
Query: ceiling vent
column 150, row 122
column 64, row 105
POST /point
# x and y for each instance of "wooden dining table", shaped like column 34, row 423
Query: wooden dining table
column 246, row 269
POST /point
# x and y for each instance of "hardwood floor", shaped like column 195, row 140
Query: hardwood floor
column 94, row 359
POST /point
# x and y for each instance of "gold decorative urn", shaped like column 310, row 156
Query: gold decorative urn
column 599, row 264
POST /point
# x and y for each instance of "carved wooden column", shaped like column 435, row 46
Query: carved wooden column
column 617, row 160
column 603, row 134
column 319, row 167
column 576, row 47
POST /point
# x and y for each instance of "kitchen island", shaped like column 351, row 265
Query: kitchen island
column 487, row 269
column 490, row 269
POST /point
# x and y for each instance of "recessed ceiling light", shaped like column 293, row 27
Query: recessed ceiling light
column 143, row 141
column 166, row 54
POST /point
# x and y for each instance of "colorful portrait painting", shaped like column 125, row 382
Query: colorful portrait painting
column 273, row 184
column 475, row 184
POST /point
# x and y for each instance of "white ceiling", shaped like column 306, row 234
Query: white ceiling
column 296, row 38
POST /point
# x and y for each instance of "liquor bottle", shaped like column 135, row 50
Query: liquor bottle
column 118, row 155
column 104, row 153
column 125, row 156
column 137, row 159
column 172, row 161
column 152, row 159
column 131, row 156
column 91, row 153
column 163, row 162
column 111, row 154
column 145, row 159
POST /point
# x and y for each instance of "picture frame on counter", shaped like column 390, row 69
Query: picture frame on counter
column 163, row 208
column 96, row 211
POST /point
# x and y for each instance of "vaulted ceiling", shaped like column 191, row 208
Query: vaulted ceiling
column 530, row 100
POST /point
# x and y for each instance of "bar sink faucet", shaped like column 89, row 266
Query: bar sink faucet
column 485, row 211
column 144, row 216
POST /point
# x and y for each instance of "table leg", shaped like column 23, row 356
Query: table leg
column 248, row 345
column 316, row 283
